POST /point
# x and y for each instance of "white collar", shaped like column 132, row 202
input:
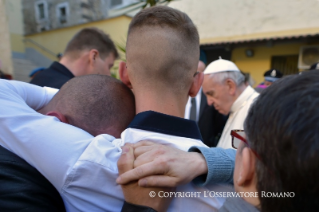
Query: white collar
column 242, row 99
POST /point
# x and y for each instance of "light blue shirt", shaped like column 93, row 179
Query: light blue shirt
column 220, row 164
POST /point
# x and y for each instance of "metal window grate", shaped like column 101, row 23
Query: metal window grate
column 286, row 64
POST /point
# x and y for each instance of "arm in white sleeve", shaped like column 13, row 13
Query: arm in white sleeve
column 34, row 96
column 44, row 142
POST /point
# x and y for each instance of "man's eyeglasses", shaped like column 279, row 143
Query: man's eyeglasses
column 237, row 137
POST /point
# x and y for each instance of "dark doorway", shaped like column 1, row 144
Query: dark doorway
column 214, row 53
column 286, row 64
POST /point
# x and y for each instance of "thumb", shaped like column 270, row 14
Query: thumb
column 126, row 161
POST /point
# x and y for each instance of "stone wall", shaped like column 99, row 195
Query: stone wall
column 5, row 47
column 79, row 12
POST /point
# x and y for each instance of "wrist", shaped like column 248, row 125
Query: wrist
column 199, row 164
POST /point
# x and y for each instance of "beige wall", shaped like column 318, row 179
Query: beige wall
column 5, row 47
column 15, row 22
column 14, row 14
column 229, row 20
column 261, row 61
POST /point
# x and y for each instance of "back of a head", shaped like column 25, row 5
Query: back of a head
column 162, row 48
column 314, row 66
column 90, row 38
column 97, row 104
column 282, row 127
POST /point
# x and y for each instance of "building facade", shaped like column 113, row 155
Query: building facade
column 257, row 35
column 38, row 30
column 44, row 15
column 5, row 45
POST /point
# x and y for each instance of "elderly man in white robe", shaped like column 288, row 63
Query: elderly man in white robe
column 224, row 88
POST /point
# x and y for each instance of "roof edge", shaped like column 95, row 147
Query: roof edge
column 261, row 36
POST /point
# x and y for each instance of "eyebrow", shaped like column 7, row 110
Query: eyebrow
column 210, row 93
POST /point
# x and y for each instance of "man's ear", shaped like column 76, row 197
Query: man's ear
column 197, row 83
column 231, row 86
column 93, row 56
column 124, row 75
column 246, row 168
column 59, row 115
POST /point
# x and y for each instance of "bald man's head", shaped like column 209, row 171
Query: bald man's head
column 162, row 49
column 97, row 104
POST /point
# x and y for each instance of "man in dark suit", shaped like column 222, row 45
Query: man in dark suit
column 211, row 125
column 90, row 51
column 210, row 122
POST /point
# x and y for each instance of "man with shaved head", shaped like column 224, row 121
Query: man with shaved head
column 79, row 101
column 162, row 58
column 162, row 71
column 85, row 106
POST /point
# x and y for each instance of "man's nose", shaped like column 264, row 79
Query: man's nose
column 210, row 101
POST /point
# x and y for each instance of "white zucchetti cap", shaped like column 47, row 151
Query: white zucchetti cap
column 220, row 65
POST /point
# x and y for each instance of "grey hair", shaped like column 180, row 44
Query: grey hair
column 236, row 76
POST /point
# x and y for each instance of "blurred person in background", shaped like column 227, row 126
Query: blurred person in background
column 35, row 72
column 248, row 78
column 314, row 66
column 210, row 122
column 90, row 51
column 270, row 76
column 225, row 88
column 3, row 75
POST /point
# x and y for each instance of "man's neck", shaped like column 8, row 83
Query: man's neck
column 73, row 66
column 240, row 90
column 45, row 109
column 162, row 102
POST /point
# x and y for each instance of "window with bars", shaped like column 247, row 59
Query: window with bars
column 285, row 64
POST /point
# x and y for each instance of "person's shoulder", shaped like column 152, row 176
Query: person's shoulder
column 99, row 147
column 50, row 78
column 27, row 188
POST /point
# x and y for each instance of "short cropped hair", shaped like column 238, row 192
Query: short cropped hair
column 170, row 55
column 236, row 76
column 96, row 104
column 282, row 126
column 165, row 16
column 91, row 38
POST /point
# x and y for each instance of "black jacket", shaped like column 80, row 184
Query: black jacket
column 54, row 76
column 23, row 188
column 211, row 123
